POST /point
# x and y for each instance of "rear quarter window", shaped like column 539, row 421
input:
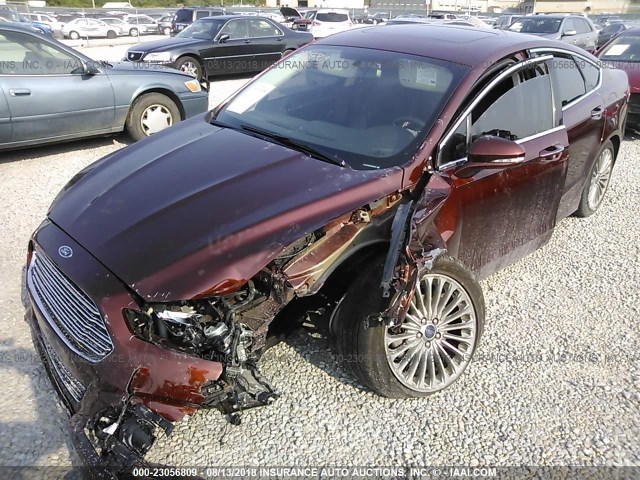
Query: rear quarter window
column 590, row 72
column 183, row 16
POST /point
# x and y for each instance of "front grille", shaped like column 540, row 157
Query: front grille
column 69, row 382
column 69, row 311
column 134, row 56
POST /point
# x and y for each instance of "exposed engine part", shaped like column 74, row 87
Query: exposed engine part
column 124, row 437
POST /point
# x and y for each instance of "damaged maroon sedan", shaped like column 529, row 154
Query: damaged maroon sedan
column 381, row 171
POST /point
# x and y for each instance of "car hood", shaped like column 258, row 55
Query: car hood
column 167, row 44
column 198, row 209
column 128, row 68
column 289, row 12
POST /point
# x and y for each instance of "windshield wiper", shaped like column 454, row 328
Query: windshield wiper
column 296, row 145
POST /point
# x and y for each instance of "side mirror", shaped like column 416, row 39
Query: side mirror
column 569, row 33
column 491, row 152
column 90, row 69
column 223, row 38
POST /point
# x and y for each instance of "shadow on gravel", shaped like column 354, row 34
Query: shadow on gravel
column 49, row 415
column 34, row 153
column 313, row 342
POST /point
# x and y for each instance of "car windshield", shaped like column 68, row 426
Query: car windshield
column 536, row 25
column 625, row 48
column 369, row 108
column 202, row 29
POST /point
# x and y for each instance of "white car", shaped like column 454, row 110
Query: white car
column 142, row 23
column 89, row 28
column 126, row 27
column 325, row 22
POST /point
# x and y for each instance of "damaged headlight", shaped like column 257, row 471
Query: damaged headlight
column 197, row 329
column 205, row 328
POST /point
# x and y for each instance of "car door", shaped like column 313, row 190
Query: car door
column 5, row 116
column 505, row 212
column 267, row 41
column 231, row 50
column 575, row 79
column 48, row 94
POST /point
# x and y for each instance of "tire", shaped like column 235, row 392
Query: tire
column 363, row 343
column 134, row 32
column 287, row 52
column 599, row 174
column 73, row 35
column 167, row 31
column 111, row 34
column 190, row 66
column 155, row 104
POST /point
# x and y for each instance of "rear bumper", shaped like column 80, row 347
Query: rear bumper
column 165, row 382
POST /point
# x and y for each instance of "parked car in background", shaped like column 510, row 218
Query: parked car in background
column 222, row 45
column 623, row 52
column 127, row 28
column 50, row 93
column 143, row 24
column 610, row 31
column 505, row 21
column 384, row 191
column 380, row 17
column 574, row 29
column 443, row 16
column 45, row 19
column 90, row 28
column 186, row 16
column 325, row 22
column 164, row 24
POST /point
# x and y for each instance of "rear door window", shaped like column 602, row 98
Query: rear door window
column 263, row 28
column 201, row 14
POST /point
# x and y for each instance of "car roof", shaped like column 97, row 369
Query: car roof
column 16, row 27
column 466, row 45
column 227, row 17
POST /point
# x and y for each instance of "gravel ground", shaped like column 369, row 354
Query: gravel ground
column 556, row 379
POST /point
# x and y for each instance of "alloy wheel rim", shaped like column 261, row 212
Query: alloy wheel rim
column 155, row 118
column 189, row 68
column 434, row 343
column 600, row 179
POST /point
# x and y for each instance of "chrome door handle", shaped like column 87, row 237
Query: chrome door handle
column 552, row 153
column 596, row 113
column 19, row 92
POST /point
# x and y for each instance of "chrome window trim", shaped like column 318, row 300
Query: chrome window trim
column 508, row 72
column 551, row 50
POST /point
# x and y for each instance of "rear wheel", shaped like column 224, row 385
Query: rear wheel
column 150, row 114
column 74, row 35
column 190, row 66
column 134, row 32
column 111, row 34
column 430, row 349
column 598, row 182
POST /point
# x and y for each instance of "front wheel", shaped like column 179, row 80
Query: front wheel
column 134, row 32
column 433, row 345
column 598, row 182
column 151, row 113
column 74, row 35
column 190, row 66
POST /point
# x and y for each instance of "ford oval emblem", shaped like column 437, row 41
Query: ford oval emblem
column 65, row 251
